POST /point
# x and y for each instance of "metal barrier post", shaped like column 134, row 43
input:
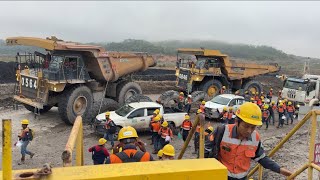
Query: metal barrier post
column 260, row 172
column 6, row 150
column 312, row 142
column 185, row 145
column 201, row 138
column 79, row 147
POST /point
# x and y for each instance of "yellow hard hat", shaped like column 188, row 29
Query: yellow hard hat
column 289, row 103
column 262, row 97
column 203, row 102
column 158, row 111
column 160, row 153
column 250, row 113
column 273, row 102
column 127, row 132
column 230, row 108
column 168, row 150
column 223, row 87
column 181, row 93
column 186, row 117
column 165, row 124
column 210, row 128
column 262, row 100
column 160, row 116
column 25, row 121
column 281, row 104
column 107, row 113
column 285, row 100
column 271, row 89
column 157, row 118
column 265, row 106
column 199, row 111
column 102, row 141
column 251, row 99
column 225, row 108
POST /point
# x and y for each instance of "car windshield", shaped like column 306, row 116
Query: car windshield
column 295, row 85
column 220, row 100
column 124, row 110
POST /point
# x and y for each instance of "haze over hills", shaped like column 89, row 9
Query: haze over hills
column 243, row 52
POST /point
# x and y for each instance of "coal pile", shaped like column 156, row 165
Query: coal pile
column 7, row 72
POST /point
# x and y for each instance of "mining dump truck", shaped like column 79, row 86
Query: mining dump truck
column 203, row 72
column 68, row 75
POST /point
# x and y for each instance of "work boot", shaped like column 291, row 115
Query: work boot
column 22, row 160
column 31, row 155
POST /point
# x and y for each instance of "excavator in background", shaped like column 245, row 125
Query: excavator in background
column 74, row 77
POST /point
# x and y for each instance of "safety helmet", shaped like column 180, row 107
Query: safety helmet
column 203, row 102
column 165, row 124
column 168, row 150
column 271, row 89
column 265, row 106
column 281, row 104
column 262, row 100
column 285, row 100
column 181, row 93
column 250, row 113
column 246, row 92
column 107, row 113
column 157, row 118
column 210, row 128
column 157, row 110
column 230, row 108
column 273, row 102
column 199, row 111
column 225, row 108
column 262, row 92
column 186, row 117
column 262, row 97
column 189, row 96
column 25, row 121
column 223, row 87
column 289, row 103
column 160, row 116
column 160, row 153
column 102, row 141
column 127, row 132
column 252, row 99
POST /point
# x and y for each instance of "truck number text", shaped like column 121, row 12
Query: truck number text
column 28, row 82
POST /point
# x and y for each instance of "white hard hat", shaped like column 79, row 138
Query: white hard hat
column 189, row 96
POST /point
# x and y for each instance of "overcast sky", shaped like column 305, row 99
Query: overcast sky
column 293, row 27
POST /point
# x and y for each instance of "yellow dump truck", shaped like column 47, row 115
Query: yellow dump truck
column 208, row 70
column 67, row 74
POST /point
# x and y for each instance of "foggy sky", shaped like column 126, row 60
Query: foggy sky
column 293, row 27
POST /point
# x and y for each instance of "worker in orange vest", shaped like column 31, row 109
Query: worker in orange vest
column 281, row 114
column 181, row 101
column 155, row 114
column 155, row 127
column 290, row 110
column 270, row 93
column 208, row 141
column 129, row 138
column 266, row 115
column 256, row 97
column 186, row 127
column 202, row 106
column 165, row 133
column 231, row 139
column 272, row 109
column 197, row 134
column 224, row 115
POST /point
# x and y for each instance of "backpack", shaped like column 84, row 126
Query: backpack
column 132, row 158
column 113, row 127
column 30, row 135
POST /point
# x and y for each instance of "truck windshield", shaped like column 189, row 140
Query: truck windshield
column 124, row 110
column 55, row 62
column 220, row 100
column 200, row 63
column 295, row 85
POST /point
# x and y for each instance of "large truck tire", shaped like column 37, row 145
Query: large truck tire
column 31, row 108
column 169, row 99
column 77, row 101
column 211, row 87
column 107, row 104
column 127, row 89
column 138, row 98
column 252, row 86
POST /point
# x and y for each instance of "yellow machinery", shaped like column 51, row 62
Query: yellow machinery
column 66, row 74
column 208, row 70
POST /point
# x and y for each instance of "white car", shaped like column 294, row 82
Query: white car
column 138, row 115
column 214, row 107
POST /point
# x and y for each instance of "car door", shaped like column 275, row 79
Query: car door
column 235, row 103
column 138, row 119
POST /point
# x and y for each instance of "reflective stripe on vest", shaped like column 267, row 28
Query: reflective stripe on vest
column 165, row 133
column 186, row 125
column 236, row 154
column 290, row 108
column 274, row 107
column 265, row 114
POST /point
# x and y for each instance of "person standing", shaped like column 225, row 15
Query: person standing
column 25, row 136
column 155, row 127
column 265, row 115
column 188, row 103
column 99, row 152
column 281, row 114
column 181, row 101
column 290, row 110
column 128, row 137
column 235, row 145
column 111, row 128
column 186, row 127
column 165, row 134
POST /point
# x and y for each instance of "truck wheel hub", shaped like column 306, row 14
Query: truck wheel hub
column 80, row 105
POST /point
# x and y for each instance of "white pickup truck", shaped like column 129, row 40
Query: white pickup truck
column 216, row 104
column 138, row 115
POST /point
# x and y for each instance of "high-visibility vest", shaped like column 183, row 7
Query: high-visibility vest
column 181, row 98
column 236, row 154
column 290, row 108
column 155, row 126
column 186, row 125
column 202, row 107
column 129, row 155
column 265, row 113
column 198, row 128
column 274, row 107
column 165, row 132
column 280, row 109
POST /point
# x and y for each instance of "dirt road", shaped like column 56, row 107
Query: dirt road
column 51, row 135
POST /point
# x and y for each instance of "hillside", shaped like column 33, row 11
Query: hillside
column 166, row 50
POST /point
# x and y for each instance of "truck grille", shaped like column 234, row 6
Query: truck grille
column 183, row 78
column 291, row 94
